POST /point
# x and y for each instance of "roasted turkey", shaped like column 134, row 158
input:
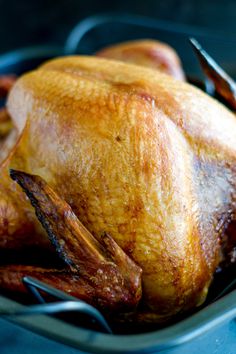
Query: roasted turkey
column 131, row 172
column 150, row 53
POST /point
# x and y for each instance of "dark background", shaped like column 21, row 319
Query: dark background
column 26, row 22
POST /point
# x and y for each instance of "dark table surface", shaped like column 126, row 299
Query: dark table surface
column 27, row 22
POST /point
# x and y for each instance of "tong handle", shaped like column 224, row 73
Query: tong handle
column 225, row 86
column 67, row 303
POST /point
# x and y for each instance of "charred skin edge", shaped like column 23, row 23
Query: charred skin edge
column 46, row 225
column 118, row 283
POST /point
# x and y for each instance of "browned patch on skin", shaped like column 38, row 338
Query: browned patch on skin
column 135, row 208
column 146, row 168
column 130, row 243
column 118, row 138
column 114, row 277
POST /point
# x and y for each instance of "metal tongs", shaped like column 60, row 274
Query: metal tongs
column 64, row 303
column 224, row 85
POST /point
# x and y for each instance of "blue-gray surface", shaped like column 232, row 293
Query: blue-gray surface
column 16, row 340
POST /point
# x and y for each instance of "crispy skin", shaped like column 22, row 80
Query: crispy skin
column 150, row 53
column 104, row 267
column 138, row 155
column 5, row 123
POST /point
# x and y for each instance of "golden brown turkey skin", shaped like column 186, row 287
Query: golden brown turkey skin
column 136, row 154
column 150, row 53
column 6, row 83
